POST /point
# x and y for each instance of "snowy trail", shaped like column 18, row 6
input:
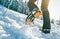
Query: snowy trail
column 12, row 26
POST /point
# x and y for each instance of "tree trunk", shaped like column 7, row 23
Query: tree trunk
column 46, row 19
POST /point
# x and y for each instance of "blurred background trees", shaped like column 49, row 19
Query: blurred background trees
column 16, row 5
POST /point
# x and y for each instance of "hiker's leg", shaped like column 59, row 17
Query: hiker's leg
column 46, row 19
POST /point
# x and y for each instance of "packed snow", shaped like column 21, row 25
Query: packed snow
column 12, row 26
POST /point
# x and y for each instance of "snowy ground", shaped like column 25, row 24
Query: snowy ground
column 12, row 26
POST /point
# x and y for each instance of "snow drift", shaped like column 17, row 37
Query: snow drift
column 12, row 26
